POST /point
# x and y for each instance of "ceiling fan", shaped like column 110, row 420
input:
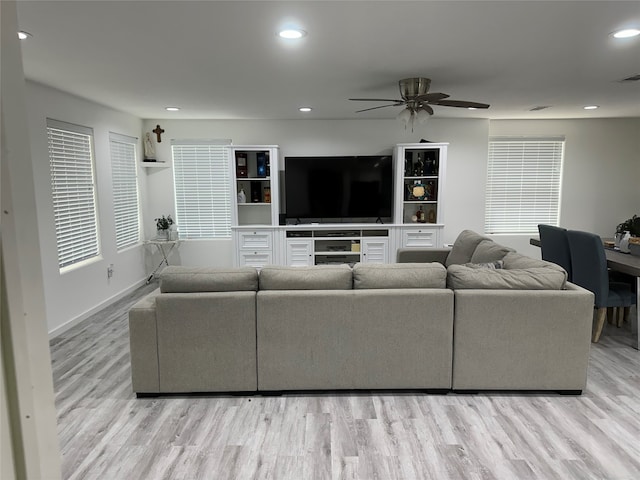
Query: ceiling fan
column 417, row 100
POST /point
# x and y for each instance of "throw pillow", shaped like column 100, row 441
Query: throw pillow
column 399, row 275
column 489, row 251
column 463, row 247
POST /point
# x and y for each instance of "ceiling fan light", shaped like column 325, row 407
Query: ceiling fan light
column 422, row 115
column 405, row 115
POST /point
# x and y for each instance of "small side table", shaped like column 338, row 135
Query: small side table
column 165, row 247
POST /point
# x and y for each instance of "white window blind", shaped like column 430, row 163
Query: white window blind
column 202, row 189
column 125, row 190
column 73, row 187
column 523, row 184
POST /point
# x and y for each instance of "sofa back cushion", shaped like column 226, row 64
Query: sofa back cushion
column 461, row 277
column 464, row 247
column 177, row 279
column 399, row 275
column 317, row 277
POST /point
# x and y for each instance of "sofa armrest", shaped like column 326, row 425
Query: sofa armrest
column 422, row 255
column 522, row 339
column 143, row 344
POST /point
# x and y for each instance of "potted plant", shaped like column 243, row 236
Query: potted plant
column 163, row 224
column 631, row 225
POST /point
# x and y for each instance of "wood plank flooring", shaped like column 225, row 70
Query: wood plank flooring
column 106, row 433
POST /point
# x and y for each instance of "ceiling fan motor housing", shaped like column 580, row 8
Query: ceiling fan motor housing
column 412, row 87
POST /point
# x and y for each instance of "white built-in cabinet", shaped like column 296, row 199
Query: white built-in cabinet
column 419, row 170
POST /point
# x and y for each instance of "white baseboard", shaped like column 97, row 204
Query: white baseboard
column 114, row 298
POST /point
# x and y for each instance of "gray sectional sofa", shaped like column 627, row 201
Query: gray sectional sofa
column 437, row 320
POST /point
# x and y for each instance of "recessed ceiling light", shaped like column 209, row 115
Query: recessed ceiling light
column 22, row 35
column 591, row 107
column 471, row 108
column 291, row 33
column 305, row 109
column 172, row 109
column 627, row 33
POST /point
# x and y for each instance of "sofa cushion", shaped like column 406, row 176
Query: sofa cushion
column 489, row 251
column 515, row 260
column 461, row 277
column 497, row 265
column 463, row 247
column 177, row 279
column 317, row 277
column 399, row 275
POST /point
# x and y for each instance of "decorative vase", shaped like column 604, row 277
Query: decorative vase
column 163, row 234
column 624, row 242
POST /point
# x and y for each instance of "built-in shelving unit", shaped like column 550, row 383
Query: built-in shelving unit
column 259, row 240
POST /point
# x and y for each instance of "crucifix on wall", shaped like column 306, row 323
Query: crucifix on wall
column 158, row 131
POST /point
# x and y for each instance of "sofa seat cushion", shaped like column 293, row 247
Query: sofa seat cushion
column 399, row 275
column 317, row 277
column 489, row 251
column 177, row 279
column 535, row 278
column 464, row 247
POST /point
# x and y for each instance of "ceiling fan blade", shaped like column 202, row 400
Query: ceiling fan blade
column 400, row 102
column 460, row 103
column 431, row 97
column 375, row 108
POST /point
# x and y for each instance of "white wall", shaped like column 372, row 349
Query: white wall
column 466, row 168
column 600, row 182
column 601, row 174
column 72, row 296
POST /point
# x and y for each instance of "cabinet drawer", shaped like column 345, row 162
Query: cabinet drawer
column 419, row 237
column 255, row 240
column 255, row 259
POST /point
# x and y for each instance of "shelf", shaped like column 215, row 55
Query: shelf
column 253, row 179
column 431, row 177
column 254, row 204
column 420, row 201
column 155, row 164
column 337, row 254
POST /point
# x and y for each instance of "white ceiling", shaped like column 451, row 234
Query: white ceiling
column 222, row 60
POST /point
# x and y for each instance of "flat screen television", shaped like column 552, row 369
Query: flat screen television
column 355, row 189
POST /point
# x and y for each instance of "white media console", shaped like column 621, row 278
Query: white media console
column 259, row 240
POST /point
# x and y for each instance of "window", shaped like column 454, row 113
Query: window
column 202, row 189
column 73, row 187
column 125, row 190
column 523, row 184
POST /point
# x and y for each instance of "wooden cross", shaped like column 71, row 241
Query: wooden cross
column 158, row 131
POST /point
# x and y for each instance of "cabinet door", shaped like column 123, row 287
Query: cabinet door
column 299, row 253
column 420, row 237
column 255, row 259
column 375, row 250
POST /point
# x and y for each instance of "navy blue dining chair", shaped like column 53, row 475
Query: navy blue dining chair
column 589, row 264
column 555, row 247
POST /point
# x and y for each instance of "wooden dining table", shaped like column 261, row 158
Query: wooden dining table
column 624, row 263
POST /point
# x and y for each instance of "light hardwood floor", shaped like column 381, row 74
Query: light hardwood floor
column 108, row 434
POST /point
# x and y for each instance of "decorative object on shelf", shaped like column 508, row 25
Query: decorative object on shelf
column 261, row 164
column 163, row 224
column 242, row 197
column 430, row 190
column 266, row 194
column 158, row 131
column 149, row 149
column 418, row 167
column 417, row 191
column 420, row 215
column 268, row 164
column 241, row 165
column 256, row 192
column 431, row 216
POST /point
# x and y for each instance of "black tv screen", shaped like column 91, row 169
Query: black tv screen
column 339, row 189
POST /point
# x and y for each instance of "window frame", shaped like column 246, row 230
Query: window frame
column 126, row 214
column 202, row 183
column 73, row 165
column 524, row 184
